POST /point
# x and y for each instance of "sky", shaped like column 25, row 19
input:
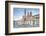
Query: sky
column 19, row 12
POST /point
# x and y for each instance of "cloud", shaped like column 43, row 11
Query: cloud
column 18, row 18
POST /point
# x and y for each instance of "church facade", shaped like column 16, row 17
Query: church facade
column 29, row 19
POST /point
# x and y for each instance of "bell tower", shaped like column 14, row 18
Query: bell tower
column 30, row 13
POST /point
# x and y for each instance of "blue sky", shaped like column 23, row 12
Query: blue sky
column 19, row 12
